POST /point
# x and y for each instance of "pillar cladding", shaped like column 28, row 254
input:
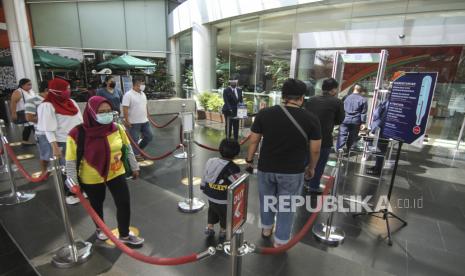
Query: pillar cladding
column 204, row 57
column 20, row 41
column 174, row 65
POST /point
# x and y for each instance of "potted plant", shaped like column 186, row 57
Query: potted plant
column 203, row 99
column 214, row 105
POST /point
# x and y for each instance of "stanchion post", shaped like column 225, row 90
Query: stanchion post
column 75, row 252
column 236, row 259
column 183, row 153
column 326, row 232
column 190, row 204
column 15, row 196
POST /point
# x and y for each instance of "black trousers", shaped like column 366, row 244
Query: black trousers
column 27, row 131
column 233, row 125
column 217, row 213
column 120, row 192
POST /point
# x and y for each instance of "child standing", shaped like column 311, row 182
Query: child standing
column 219, row 174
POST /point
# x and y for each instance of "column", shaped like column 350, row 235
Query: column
column 204, row 57
column 20, row 41
column 174, row 65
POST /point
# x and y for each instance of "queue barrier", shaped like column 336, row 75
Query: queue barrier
column 242, row 142
column 164, row 125
column 129, row 251
column 15, row 196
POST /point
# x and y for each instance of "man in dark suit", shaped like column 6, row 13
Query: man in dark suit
column 232, row 97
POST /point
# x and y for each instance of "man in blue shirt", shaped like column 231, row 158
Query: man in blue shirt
column 355, row 106
column 379, row 119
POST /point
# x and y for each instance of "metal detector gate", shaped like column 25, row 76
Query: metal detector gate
column 340, row 59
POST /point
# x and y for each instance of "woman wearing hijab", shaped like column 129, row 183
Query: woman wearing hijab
column 94, row 157
column 17, row 108
column 57, row 115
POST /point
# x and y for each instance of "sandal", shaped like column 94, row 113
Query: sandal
column 267, row 236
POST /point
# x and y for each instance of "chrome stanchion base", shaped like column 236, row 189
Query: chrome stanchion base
column 182, row 155
column 16, row 198
column 336, row 235
column 64, row 259
column 187, row 206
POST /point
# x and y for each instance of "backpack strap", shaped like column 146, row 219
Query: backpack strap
column 80, row 147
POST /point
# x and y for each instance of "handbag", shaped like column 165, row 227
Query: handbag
column 21, row 115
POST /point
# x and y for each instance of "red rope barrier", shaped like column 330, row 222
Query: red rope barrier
column 302, row 232
column 243, row 141
column 205, row 147
column 146, row 155
column 130, row 252
column 18, row 164
column 162, row 126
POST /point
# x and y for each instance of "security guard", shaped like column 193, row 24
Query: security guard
column 355, row 106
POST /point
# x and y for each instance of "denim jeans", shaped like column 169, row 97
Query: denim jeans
column 143, row 130
column 314, row 183
column 276, row 185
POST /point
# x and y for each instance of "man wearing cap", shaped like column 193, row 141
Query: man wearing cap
column 291, row 135
column 232, row 97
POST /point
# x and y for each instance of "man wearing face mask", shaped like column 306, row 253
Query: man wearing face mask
column 232, row 96
column 57, row 115
column 136, row 115
column 111, row 93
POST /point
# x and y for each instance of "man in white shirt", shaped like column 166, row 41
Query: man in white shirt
column 135, row 115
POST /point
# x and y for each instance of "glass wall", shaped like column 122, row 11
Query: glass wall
column 185, row 60
column 257, row 52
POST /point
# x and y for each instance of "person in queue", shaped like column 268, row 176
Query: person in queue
column 330, row 111
column 57, row 115
column 232, row 97
column 18, row 114
column 218, row 175
column 135, row 112
column 290, row 133
column 379, row 119
column 94, row 158
column 356, row 107
column 45, row 150
column 111, row 93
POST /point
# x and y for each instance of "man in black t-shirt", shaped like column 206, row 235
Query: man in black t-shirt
column 330, row 111
column 285, row 147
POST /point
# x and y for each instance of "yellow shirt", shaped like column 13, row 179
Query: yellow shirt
column 87, row 173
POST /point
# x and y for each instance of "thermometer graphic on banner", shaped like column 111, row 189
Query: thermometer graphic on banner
column 422, row 102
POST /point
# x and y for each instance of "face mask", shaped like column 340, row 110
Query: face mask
column 112, row 85
column 142, row 87
column 66, row 94
column 104, row 118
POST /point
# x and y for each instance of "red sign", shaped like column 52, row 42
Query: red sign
column 239, row 206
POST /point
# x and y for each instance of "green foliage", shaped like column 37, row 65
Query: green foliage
column 279, row 71
column 215, row 103
column 188, row 77
column 211, row 101
column 249, row 105
column 204, row 98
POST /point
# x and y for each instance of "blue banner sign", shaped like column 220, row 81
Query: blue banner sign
column 409, row 105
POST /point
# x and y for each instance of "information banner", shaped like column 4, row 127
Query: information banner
column 409, row 105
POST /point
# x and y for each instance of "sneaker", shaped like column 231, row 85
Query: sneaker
column 132, row 240
column 209, row 232
column 72, row 200
column 100, row 235
column 222, row 235
column 140, row 158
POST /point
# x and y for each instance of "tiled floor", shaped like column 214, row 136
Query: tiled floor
column 432, row 244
